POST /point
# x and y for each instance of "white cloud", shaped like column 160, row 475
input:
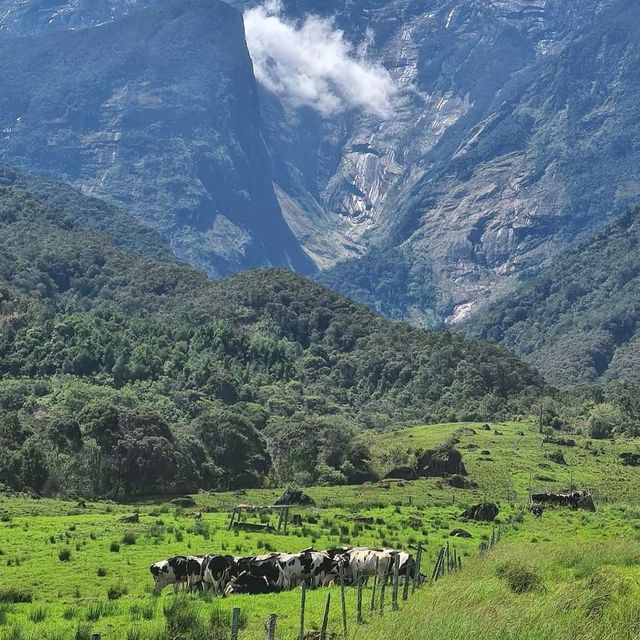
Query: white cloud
column 311, row 64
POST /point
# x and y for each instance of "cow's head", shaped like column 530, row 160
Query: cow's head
column 162, row 574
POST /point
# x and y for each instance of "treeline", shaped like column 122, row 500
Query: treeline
column 125, row 374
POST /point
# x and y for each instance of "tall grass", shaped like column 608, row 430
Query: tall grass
column 537, row 592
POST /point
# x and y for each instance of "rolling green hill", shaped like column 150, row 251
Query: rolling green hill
column 125, row 374
column 578, row 319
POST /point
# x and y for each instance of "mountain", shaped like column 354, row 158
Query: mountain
column 512, row 132
column 424, row 156
column 122, row 373
column 152, row 105
column 578, row 319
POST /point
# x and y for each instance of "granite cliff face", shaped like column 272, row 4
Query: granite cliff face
column 154, row 106
column 512, row 134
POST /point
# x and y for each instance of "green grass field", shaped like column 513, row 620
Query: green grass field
column 567, row 551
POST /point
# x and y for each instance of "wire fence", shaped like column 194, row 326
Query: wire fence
column 389, row 589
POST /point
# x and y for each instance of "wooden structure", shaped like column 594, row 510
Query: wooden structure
column 283, row 520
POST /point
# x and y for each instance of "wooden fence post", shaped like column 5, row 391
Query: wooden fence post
column 325, row 618
column 405, row 587
column 343, row 603
column 396, row 579
column 303, row 604
column 359, row 619
column 375, row 584
column 271, row 627
column 235, row 623
column 416, row 578
column 383, row 588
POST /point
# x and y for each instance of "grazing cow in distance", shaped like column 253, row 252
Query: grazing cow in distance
column 180, row 571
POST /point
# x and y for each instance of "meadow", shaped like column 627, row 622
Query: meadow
column 81, row 570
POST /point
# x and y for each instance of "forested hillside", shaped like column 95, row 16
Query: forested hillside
column 578, row 320
column 123, row 374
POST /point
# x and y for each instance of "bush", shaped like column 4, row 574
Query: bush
column 70, row 612
column 101, row 572
column 64, row 555
column 519, row 577
column 182, row 618
column 129, row 538
column 115, row 592
column 603, row 420
column 38, row 614
column 114, row 547
column 14, row 595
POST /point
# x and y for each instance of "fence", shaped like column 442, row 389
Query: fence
column 447, row 561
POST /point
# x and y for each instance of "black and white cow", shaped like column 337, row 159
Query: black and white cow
column 309, row 566
column 365, row 563
column 217, row 571
column 266, row 566
column 249, row 583
column 180, row 571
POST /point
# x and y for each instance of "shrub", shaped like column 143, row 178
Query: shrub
column 64, row 555
column 98, row 609
column 129, row 538
column 115, row 592
column 70, row 612
column 38, row 614
column 603, row 421
column 101, row 572
column 14, row 595
column 519, row 577
column 202, row 528
column 114, row 547
column 182, row 618
column 83, row 632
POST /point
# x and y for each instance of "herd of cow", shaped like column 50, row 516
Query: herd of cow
column 225, row 575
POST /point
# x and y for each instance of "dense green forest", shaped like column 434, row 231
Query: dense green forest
column 125, row 373
column 578, row 319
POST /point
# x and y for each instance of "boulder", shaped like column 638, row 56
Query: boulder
column 485, row 427
column 402, row 473
column 557, row 457
column 561, row 442
column 131, row 518
column 185, row 502
column 483, row 512
column 294, row 496
column 465, row 431
column 630, row 459
column 442, row 462
column 460, row 482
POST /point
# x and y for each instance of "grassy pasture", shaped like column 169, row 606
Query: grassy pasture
column 108, row 558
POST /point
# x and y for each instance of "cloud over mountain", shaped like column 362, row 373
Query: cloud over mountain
column 311, row 64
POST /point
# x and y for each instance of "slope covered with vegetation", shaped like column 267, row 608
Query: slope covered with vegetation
column 578, row 319
column 124, row 374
